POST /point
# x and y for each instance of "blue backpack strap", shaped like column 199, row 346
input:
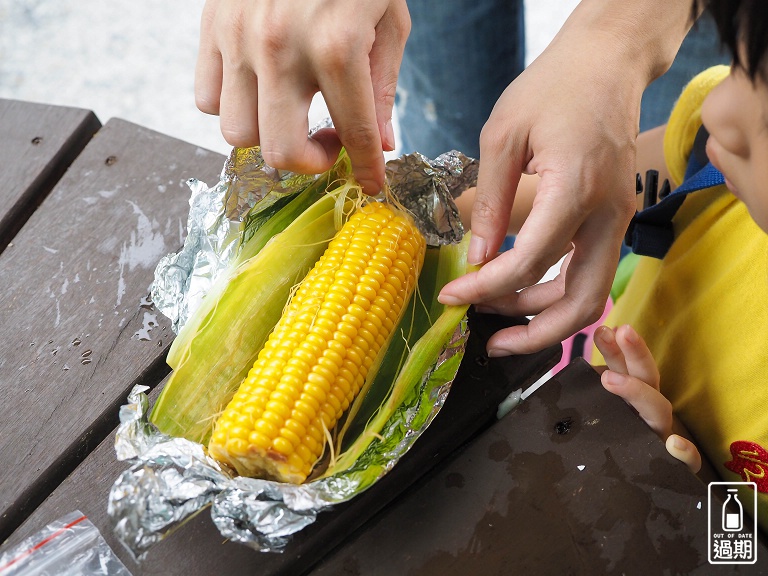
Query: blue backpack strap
column 650, row 232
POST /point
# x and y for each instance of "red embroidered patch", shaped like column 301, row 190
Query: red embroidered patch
column 750, row 461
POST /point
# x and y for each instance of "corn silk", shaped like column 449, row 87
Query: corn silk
column 172, row 479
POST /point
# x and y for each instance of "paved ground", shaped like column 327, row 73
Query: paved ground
column 134, row 59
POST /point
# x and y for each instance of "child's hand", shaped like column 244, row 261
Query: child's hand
column 632, row 374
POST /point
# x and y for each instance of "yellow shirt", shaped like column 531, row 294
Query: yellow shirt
column 703, row 310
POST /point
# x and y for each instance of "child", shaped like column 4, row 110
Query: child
column 700, row 307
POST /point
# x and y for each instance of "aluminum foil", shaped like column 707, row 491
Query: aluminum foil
column 426, row 188
column 172, row 479
column 216, row 214
column 214, row 225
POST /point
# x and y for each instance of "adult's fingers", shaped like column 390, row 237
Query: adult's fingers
column 585, row 292
column 480, row 287
column 261, row 78
column 238, row 107
column 209, row 68
column 497, row 180
column 543, row 239
column 385, row 58
column 526, row 302
column 551, row 326
column 357, row 74
column 685, row 451
column 284, row 127
column 349, row 96
column 586, row 287
column 225, row 30
column 532, row 300
column 650, row 404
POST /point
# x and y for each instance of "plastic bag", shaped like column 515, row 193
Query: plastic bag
column 70, row 546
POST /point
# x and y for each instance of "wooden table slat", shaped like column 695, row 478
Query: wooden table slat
column 71, row 319
column 37, row 144
column 198, row 548
column 570, row 482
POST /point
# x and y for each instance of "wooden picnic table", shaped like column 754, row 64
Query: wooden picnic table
column 570, row 482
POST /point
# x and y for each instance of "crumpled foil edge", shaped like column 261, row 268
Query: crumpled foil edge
column 170, row 480
column 424, row 187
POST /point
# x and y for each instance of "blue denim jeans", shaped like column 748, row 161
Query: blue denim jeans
column 459, row 58
column 462, row 54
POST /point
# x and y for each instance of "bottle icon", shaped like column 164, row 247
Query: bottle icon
column 733, row 520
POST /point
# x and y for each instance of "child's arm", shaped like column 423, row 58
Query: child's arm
column 650, row 156
column 632, row 374
column 526, row 192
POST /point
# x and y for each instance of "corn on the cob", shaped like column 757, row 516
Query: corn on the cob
column 318, row 356
column 223, row 337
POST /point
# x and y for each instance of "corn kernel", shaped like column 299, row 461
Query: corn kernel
column 318, row 356
column 282, row 445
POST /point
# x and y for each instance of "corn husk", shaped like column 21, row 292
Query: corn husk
column 171, row 478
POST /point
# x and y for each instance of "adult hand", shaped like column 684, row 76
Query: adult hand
column 261, row 62
column 572, row 117
column 633, row 375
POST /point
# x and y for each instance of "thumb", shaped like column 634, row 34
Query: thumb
column 385, row 58
column 685, row 451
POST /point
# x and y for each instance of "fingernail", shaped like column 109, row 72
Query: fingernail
column 498, row 353
column 605, row 335
column 448, row 299
column 631, row 335
column 613, row 378
column 678, row 443
column 478, row 250
column 370, row 187
column 389, row 136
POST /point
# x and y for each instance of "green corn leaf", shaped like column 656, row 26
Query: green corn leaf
column 219, row 345
column 366, row 456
